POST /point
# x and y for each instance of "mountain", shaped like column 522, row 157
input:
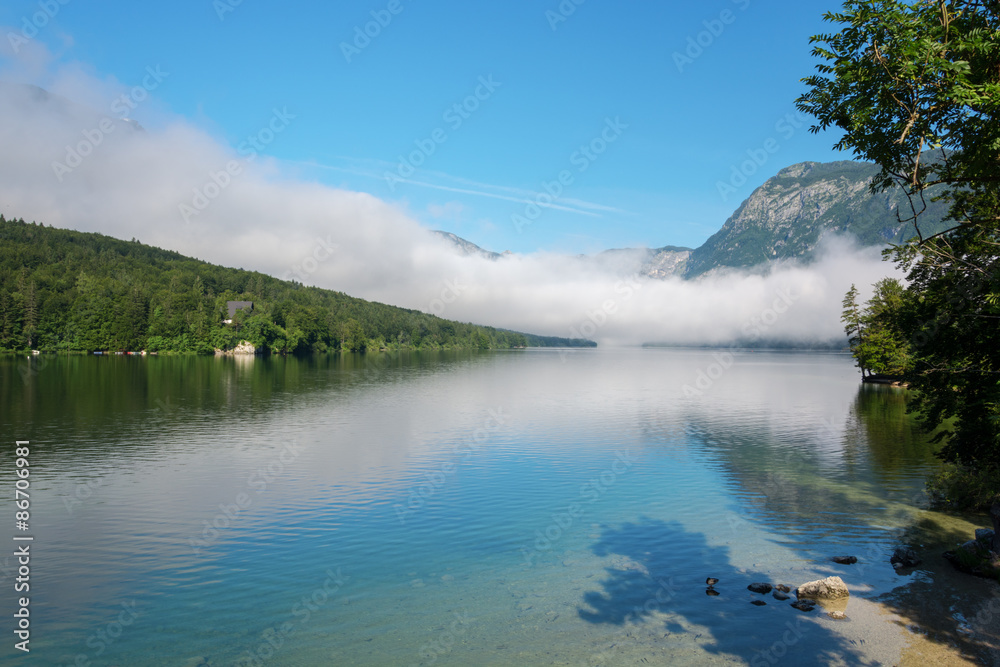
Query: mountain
column 786, row 216
column 651, row 262
column 35, row 101
column 62, row 290
column 666, row 261
column 467, row 248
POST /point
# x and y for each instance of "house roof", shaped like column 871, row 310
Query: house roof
column 233, row 306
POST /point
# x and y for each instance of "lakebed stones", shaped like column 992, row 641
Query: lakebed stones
column 831, row 588
column 832, row 592
column 845, row 560
column 904, row 557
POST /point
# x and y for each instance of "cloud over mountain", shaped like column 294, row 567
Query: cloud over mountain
column 80, row 164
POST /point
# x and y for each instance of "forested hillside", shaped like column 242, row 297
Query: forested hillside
column 62, row 290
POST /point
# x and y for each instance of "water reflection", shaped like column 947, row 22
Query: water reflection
column 782, row 462
column 892, row 438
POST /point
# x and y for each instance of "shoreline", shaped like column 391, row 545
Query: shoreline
column 951, row 618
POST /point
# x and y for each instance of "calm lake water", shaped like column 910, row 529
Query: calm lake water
column 535, row 507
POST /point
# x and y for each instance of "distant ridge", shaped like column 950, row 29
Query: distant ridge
column 63, row 290
column 785, row 218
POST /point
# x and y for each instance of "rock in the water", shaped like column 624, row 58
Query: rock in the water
column 711, row 581
column 778, row 595
column 837, row 615
column 831, row 588
column 804, row 605
column 763, row 589
column 905, row 557
column 783, row 588
column 759, row 603
column 845, row 560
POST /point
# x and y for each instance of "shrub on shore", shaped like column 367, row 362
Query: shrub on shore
column 964, row 488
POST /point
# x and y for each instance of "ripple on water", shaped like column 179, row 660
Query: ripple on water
column 580, row 529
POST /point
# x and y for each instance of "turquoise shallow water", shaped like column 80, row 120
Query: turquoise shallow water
column 535, row 507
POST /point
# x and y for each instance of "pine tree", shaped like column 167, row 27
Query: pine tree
column 31, row 314
column 851, row 317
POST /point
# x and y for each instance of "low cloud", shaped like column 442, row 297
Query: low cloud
column 77, row 164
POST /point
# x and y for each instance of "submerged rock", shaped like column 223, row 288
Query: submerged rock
column 837, row 615
column 845, row 560
column 759, row 603
column 783, row 588
column 778, row 595
column 831, row 588
column 904, row 557
column 763, row 589
column 711, row 591
column 804, row 605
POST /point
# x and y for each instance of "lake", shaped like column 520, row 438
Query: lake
column 535, row 507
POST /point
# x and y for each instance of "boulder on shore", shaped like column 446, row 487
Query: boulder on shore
column 244, row 348
column 977, row 556
column 831, row 588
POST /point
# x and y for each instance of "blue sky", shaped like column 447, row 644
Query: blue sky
column 663, row 132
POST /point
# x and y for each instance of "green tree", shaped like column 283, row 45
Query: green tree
column 851, row 317
column 877, row 340
column 130, row 323
column 6, row 320
column 353, row 337
column 31, row 314
column 915, row 88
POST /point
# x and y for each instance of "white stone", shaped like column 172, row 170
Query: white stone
column 831, row 588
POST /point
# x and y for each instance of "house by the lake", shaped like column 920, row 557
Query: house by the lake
column 233, row 306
